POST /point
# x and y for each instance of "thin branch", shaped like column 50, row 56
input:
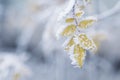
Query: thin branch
column 76, row 22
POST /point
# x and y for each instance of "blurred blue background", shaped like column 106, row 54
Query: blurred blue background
column 29, row 49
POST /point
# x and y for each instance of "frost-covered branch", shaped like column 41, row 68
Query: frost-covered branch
column 77, row 41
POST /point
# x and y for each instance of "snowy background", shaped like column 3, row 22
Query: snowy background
column 29, row 49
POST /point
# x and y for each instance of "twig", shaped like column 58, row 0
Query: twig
column 76, row 22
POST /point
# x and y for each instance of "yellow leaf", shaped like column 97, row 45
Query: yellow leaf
column 69, row 30
column 85, row 23
column 69, row 20
column 69, row 44
column 79, row 55
column 79, row 14
column 85, row 42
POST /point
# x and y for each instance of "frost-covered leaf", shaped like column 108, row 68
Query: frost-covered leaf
column 79, row 55
column 69, row 30
column 79, row 14
column 85, row 23
column 69, row 20
column 69, row 44
column 86, row 42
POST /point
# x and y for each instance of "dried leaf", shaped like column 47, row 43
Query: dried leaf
column 69, row 30
column 79, row 14
column 79, row 55
column 85, row 23
column 69, row 20
column 85, row 42
column 69, row 44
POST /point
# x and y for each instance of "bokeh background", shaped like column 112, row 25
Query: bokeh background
column 29, row 49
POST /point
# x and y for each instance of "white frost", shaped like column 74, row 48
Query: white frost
column 67, row 9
